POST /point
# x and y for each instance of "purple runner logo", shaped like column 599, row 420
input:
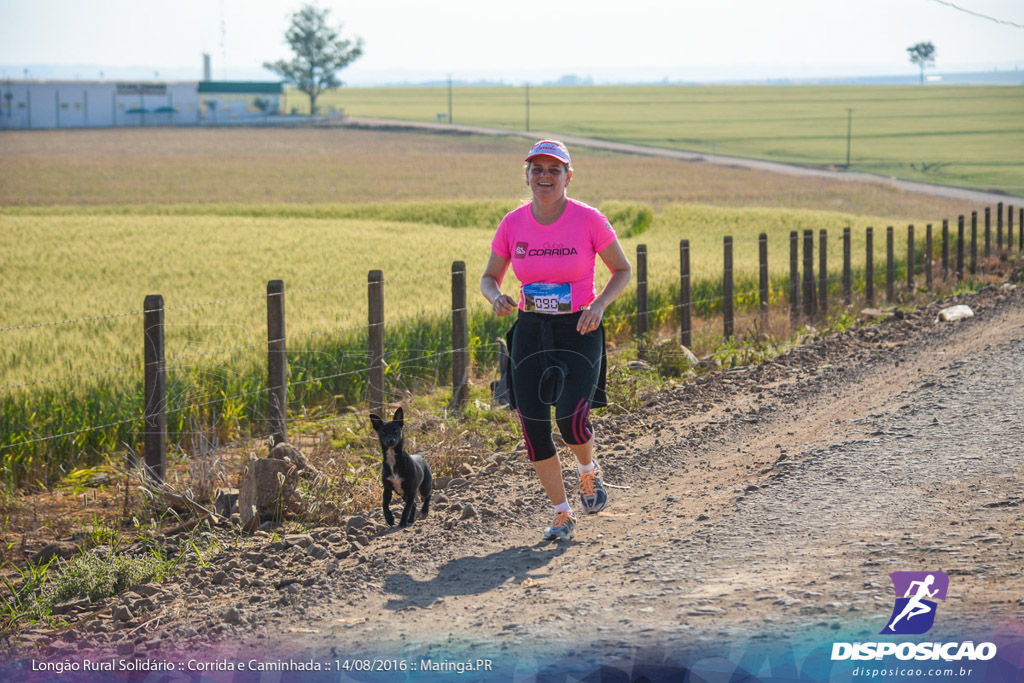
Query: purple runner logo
column 913, row 612
column 521, row 248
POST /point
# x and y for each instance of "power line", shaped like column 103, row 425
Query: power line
column 983, row 16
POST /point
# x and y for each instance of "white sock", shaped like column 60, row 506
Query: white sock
column 563, row 507
column 583, row 469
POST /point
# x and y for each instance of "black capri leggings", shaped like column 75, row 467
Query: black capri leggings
column 553, row 364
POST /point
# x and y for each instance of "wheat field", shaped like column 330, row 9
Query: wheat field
column 64, row 265
column 91, row 222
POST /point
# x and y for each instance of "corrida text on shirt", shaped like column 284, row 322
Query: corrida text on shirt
column 563, row 252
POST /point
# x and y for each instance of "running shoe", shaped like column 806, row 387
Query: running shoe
column 562, row 529
column 592, row 494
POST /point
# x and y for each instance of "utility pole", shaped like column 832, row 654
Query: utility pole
column 849, row 131
column 449, row 98
column 527, row 106
column 223, row 48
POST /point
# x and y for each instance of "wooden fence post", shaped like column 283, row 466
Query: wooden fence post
column 960, row 249
column 974, row 242
column 277, row 364
column 460, row 337
column 794, row 277
column 988, row 231
column 910, row 258
column 890, row 267
column 928, row 256
column 375, row 338
column 727, row 292
column 762, row 258
column 155, row 410
column 1009, row 228
column 809, row 310
column 847, row 268
column 823, row 273
column 945, row 249
column 642, row 320
column 869, row 267
column 685, row 300
column 999, row 227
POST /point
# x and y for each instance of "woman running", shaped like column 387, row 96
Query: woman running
column 557, row 343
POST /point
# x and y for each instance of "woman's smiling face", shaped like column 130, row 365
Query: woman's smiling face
column 548, row 177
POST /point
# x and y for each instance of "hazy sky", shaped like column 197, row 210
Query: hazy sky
column 610, row 40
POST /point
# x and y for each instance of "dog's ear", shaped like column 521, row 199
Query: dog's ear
column 376, row 421
column 399, row 417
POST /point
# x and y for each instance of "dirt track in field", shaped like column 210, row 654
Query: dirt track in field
column 762, row 501
column 945, row 191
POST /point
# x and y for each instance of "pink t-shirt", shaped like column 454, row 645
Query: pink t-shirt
column 558, row 254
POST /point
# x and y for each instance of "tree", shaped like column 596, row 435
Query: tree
column 320, row 53
column 922, row 54
column 263, row 104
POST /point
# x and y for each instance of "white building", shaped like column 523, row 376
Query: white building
column 105, row 104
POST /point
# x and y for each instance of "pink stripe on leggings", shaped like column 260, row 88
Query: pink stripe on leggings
column 579, row 422
column 526, row 437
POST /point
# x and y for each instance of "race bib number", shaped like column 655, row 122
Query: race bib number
column 544, row 297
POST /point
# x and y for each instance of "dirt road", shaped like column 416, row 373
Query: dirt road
column 766, row 505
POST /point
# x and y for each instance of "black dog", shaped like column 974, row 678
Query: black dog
column 403, row 473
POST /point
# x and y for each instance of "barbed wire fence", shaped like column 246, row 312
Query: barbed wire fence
column 367, row 371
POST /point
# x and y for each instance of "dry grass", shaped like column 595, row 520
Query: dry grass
column 96, row 504
column 338, row 165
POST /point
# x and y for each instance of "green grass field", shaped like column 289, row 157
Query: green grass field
column 953, row 135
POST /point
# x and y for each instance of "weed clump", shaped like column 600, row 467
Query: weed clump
column 630, row 219
column 94, row 576
column 97, row 576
